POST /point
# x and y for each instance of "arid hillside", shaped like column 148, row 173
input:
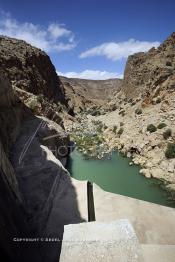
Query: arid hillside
column 30, row 69
column 143, row 124
column 31, row 167
column 82, row 94
column 151, row 74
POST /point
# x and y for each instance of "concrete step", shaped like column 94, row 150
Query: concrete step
column 153, row 224
column 158, row 253
column 100, row 242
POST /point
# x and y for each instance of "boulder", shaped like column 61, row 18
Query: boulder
column 145, row 172
column 157, row 173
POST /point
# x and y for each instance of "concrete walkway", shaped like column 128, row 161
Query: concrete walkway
column 154, row 227
column 153, row 224
column 158, row 253
column 101, row 242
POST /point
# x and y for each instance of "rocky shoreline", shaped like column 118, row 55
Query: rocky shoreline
column 138, row 119
column 135, row 116
column 145, row 148
column 130, row 136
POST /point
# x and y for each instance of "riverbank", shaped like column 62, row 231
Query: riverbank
column 147, row 149
column 115, row 175
column 129, row 134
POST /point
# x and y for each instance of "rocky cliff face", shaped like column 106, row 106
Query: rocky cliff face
column 32, row 150
column 30, row 69
column 152, row 73
column 12, row 217
column 33, row 180
column 144, row 119
column 82, row 94
column 12, row 114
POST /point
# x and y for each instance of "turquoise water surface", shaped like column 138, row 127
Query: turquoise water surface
column 117, row 176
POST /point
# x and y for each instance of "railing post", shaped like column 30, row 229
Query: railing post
column 90, row 202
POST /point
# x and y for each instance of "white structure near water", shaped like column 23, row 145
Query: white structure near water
column 125, row 230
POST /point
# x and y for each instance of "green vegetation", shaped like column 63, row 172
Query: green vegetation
column 170, row 151
column 89, row 145
column 168, row 63
column 99, row 128
column 130, row 100
column 138, row 100
column 158, row 100
column 114, row 129
column 167, row 133
column 96, row 122
column 78, row 118
column 161, row 125
column 114, row 107
column 133, row 103
column 40, row 98
column 151, row 128
column 121, row 124
column 89, row 139
column 96, row 113
column 33, row 104
column 122, row 112
column 138, row 111
column 99, row 125
column 120, row 131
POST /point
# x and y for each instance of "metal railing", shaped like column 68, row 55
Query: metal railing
column 90, row 202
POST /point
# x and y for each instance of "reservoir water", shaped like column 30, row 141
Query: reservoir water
column 117, row 176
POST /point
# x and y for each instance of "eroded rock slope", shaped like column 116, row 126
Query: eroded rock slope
column 30, row 69
column 33, row 153
column 143, row 125
column 83, row 94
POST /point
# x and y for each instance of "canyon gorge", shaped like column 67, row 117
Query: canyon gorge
column 41, row 113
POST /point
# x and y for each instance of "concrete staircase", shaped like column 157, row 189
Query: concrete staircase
column 125, row 230
column 97, row 242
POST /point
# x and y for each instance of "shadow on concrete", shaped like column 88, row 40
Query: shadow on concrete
column 50, row 199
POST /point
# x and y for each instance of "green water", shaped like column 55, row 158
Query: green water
column 117, row 176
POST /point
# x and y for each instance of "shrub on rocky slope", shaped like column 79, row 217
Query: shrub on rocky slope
column 170, row 151
column 151, row 128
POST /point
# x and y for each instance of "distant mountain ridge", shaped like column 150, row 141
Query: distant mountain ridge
column 83, row 93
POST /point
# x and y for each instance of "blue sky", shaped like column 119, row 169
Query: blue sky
column 89, row 39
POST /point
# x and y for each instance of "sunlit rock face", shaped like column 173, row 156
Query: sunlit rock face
column 82, row 94
column 150, row 73
column 30, row 69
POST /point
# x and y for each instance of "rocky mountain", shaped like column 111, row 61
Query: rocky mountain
column 12, row 217
column 143, row 124
column 33, row 151
column 30, row 69
column 152, row 73
column 33, row 103
column 82, row 94
column 34, row 148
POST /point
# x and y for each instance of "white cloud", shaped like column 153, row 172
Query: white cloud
column 118, row 50
column 58, row 31
column 53, row 38
column 91, row 74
